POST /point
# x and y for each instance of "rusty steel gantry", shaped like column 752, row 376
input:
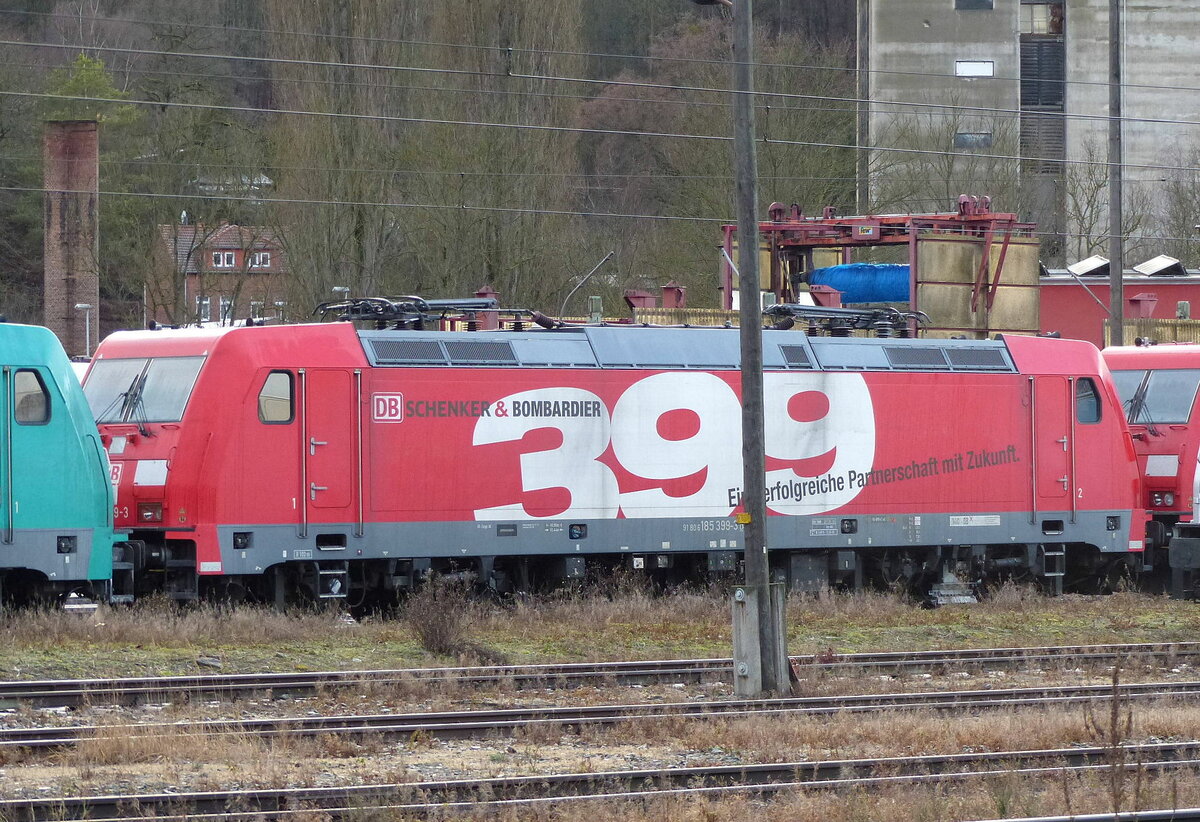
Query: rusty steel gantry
column 790, row 242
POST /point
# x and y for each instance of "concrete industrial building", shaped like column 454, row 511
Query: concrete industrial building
column 967, row 85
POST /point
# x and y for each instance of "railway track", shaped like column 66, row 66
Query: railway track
column 73, row 692
column 441, row 797
column 508, row 721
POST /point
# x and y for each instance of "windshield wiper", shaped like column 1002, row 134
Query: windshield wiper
column 1136, row 410
column 132, row 410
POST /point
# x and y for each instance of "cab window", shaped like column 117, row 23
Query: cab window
column 1087, row 401
column 31, row 401
column 275, row 398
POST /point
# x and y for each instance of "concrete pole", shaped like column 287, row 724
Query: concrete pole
column 1116, row 237
column 863, row 159
column 770, row 623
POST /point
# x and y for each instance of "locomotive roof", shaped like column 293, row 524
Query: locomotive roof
column 668, row 348
column 29, row 345
column 340, row 344
column 1153, row 356
column 312, row 344
column 33, row 345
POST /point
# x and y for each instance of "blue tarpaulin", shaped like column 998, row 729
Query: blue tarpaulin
column 865, row 282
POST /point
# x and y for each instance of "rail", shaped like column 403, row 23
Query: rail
column 70, row 692
column 440, row 797
column 507, row 721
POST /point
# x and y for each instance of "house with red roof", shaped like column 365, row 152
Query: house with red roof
column 222, row 273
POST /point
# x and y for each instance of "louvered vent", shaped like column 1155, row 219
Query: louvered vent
column 915, row 358
column 1043, row 142
column 468, row 352
column 796, row 356
column 1043, row 73
column 1043, row 127
column 400, row 352
column 978, row 359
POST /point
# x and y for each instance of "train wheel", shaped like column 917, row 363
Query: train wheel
column 79, row 601
column 230, row 591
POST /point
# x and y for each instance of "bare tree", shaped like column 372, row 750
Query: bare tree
column 1181, row 208
column 501, row 187
column 1086, row 206
column 924, row 157
column 338, row 165
column 799, row 156
column 459, row 193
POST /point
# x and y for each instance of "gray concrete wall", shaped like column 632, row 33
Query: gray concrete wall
column 1162, row 48
column 915, row 44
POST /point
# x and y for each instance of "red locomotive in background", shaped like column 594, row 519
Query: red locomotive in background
column 1158, row 384
column 324, row 461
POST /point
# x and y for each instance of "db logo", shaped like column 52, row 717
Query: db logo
column 387, row 407
column 114, row 475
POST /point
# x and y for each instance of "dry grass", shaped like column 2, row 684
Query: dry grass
column 624, row 622
column 192, row 761
column 186, row 745
column 216, row 761
column 986, row 799
column 442, row 615
column 856, row 736
column 158, row 622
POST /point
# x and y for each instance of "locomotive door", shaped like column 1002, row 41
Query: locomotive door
column 1053, row 442
column 6, row 460
column 329, row 445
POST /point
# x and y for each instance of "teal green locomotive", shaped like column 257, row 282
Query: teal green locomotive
column 56, row 494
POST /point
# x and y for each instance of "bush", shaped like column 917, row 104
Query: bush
column 442, row 614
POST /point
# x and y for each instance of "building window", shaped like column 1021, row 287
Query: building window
column 973, row 139
column 31, row 402
column 260, row 259
column 256, row 309
column 1042, row 18
column 226, row 310
column 974, row 68
column 203, row 309
column 973, row 5
column 222, row 259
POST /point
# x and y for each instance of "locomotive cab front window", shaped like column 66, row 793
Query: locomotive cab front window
column 1163, row 396
column 141, row 390
column 31, row 401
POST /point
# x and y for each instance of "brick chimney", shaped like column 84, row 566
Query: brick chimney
column 71, row 250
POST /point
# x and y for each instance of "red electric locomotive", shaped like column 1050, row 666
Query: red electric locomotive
column 325, row 461
column 1158, row 384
